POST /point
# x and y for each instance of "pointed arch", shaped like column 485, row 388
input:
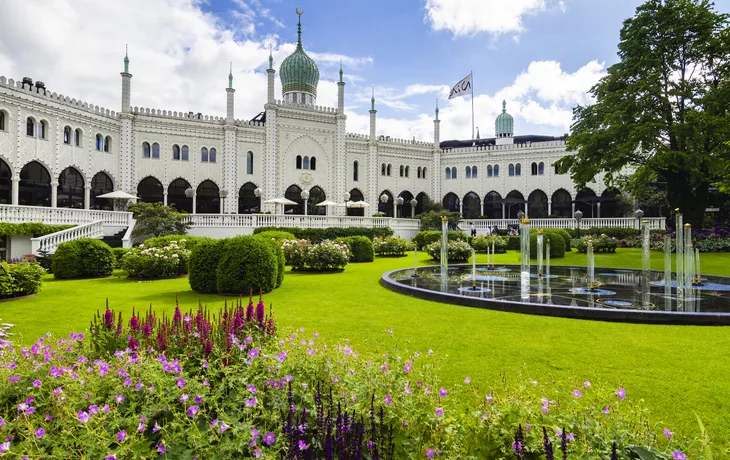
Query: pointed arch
column 70, row 190
column 423, row 200
column 537, row 203
column 176, row 195
column 472, row 206
column 493, row 205
column 585, row 201
column 248, row 202
column 150, row 190
column 451, row 202
column 101, row 183
column 387, row 207
column 34, row 188
column 515, row 202
column 207, row 198
column 294, row 193
column 316, row 196
column 561, row 203
column 356, row 195
column 405, row 208
column 6, row 183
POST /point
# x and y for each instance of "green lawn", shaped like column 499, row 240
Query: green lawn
column 675, row 369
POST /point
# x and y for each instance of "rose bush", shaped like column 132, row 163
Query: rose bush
column 390, row 246
column 324, row 256
column 156, row 262
column 459, row 251
column 601, row 243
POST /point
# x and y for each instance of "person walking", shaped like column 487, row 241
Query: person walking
column 473, row 230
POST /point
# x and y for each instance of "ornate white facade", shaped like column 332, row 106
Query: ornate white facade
column 292, row 146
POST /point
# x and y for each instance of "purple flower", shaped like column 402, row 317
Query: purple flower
column 269, row 438
column 37, row 383
column 110, row 457
column 193, row 411
column 577, row 394
column 667, row 434
column 251, row 388
column 621, row 393
column 93, row 410
column 139, row 386
column 388, row 400
column 257, row 453
column 198, row 399
column 439, row 412
column 13, row 378
column 678, row 455
column 156, row 428
column 181, row 382
column 184, row 398
column 407, row 367
column 254, row 353
column 2, row 422
column 587, row 384
column 223, row 427
column 429, row 453
column 121, row 436
column 605, row 410
column 40, row 432
column 250, row 402
column 443, row 392
column 467, row 380
column 141, row 427
column 106, row 408
column 303, row 445
column 119, row 399
column 83, row 416
column 161, row 448
column 489, row 398
column 4, row 447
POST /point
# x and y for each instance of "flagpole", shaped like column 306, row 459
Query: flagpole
column 472, row 103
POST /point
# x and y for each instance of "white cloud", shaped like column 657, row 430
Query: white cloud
column 467, row 17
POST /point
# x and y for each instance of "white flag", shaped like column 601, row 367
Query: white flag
column 462, row 88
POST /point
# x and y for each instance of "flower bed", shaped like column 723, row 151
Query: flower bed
column 601, row 243
column 156, row 262
column 324, row 256
column 390, row 246
column 226, row 386
column 459, row 251
column 484, row 243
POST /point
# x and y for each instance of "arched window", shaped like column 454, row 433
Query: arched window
column 382, row 169
column 316, row 196
column 537, row 206
column 389, row 167
column 294, row 193
column 533, row 168
column 408, row 170
column 474, row 174
column 99, row 142
column 77, row 137
column 204, row 154
column 175, row 152
column 496, row 170
column 108, row 144
column 207, row 198
column 249, row 163
column 248, row 202
column 212, row 156
column 305, row 162
column 6, row 184
column 70, row 190
column 356, row 195
column 176, row 195
column 355, row 171
column 472, row 205
column 561, row 203
column 540, row 168
column 493, row 206
column 30, row 127
column 418, row 173
column 42, row 129
column 34, row 188
column 185, row 153
column 453, row 172
column 149, row 190
column 557, row 169
column 313, row 163
column 448, row 172
column 155, row 150
column 67, row 135
column 511, row 169
column 401, row 170
column 518, row 169
column 145, row 149
column 2, row 121
column 423, row 173
column 489, row 170
column 468, row 172
column 451, row 202
column 101, row 183
column 299, row 162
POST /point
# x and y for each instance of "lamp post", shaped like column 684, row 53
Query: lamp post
column 190, row 193
column 578, row 216
column 414, row 202
column 638, row 214
column 223, row 195
column 346, row 196
column 305, row 197
column 398, row 204
column 257, row 193
column 384, row 200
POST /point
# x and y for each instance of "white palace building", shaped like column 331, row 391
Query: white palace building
column 61, row 153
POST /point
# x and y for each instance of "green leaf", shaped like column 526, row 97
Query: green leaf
column 705, row 438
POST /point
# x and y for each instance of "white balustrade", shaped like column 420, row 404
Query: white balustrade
column 127, row 240
column 300, row 221
column 50, row 242
column 61, row 216
column 590, row 222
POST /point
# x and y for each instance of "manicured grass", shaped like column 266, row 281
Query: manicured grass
column 675, row 369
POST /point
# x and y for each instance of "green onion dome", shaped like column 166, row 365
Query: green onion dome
column 298, row 72
column 505, row 124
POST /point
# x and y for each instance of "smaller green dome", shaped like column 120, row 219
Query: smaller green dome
column 505, row 124
column 298, row 71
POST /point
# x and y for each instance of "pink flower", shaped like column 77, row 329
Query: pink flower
column 302, row 445
column 388, row 400
column 258, row 453
column 621, row 393
column 439, row 412
column 390, row 331
column 667, row 434
column 605, row 410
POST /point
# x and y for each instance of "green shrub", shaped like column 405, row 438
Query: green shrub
column 189, row 241
column 247, row 264
column 361, row 248
column 432, row 219
column 600, row 244
column 391, row 246
column 557, row 244
column 324, row 256
column 203, row 265
column 33, row 229
column 83, row 258
column 156, row 262
column 22, row 278
column 513, row 243
column 424, row 238
column 484, row 243
column 280, row 258
column 459, row 251
column 118, row 254
column 565, row 234
column 614, row 232
column 315, row 235
column 276, row 235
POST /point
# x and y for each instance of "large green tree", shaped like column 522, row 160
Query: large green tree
column 662, row 113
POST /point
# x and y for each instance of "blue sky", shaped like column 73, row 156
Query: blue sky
column 542, row 56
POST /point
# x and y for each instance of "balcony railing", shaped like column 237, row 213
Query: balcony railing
column 590, row 222
column 287, row 220
column 50, row 242
column 61, row 216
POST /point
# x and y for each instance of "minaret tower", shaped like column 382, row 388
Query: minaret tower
column 127, row 172
column 341, row 93
column 341, row 163
column 373, row 195
column 230, row 100
column 230, row 172
column 270, row 79
column 436, row 164
column 126, row 84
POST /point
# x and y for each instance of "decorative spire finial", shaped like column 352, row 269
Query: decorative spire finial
column 299, row 29
column 271, row 58
column 230, row 76
column 340, row 70
column 504, row 106
column 126, row 58
column 437, row 109
column 372, row 100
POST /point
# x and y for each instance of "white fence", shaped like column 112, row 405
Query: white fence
column 288, row 220
column 484, row 224
column 50, row 242
column 62, row 216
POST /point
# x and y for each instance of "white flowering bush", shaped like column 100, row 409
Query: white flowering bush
column 156, row 262
column 324, row 256
column 459, row 251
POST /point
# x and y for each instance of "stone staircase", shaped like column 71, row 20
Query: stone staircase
column 115, row 240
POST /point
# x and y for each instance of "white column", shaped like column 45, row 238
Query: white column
column 550, row 208
column 195, row 200
column 87, row 197
column 599, row 209
column 503, row 214
column 164, row 197
column 16, row 190
column 54, row 194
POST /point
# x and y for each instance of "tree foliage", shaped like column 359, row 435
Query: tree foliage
column 156, row 219
column 662, row 111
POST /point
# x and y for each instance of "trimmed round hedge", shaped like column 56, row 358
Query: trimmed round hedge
column 202, row 265
column 361, row 248
column 277, row 235
column 83, row 258
column 426, row 237
column 557, row 244
column 279, row 254
column 248, row 263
